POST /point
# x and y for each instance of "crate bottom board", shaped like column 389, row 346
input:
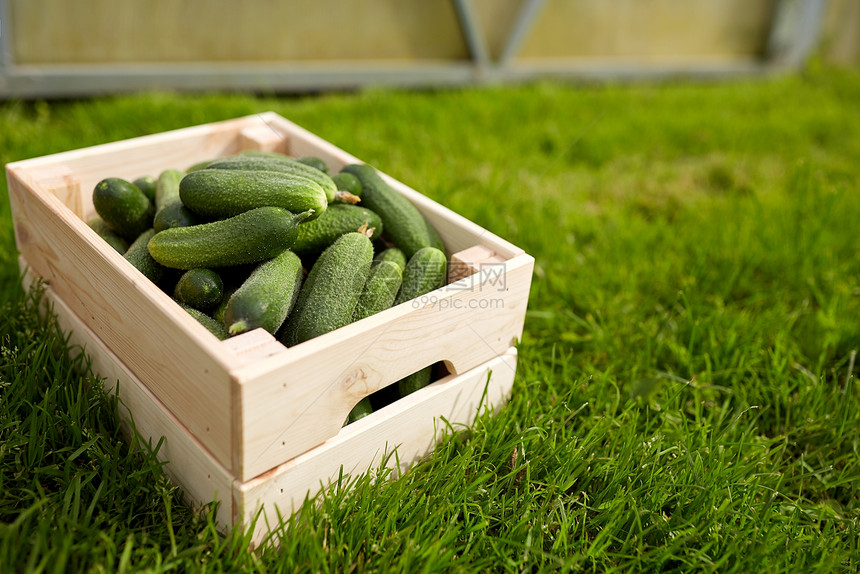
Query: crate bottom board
column 409, row 427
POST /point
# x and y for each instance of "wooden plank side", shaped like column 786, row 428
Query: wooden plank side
column 295, row 400
column 144, row 155
column 180, row 361
column 411, row 426
column 189, row 464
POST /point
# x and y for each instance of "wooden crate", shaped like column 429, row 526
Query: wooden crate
column 247, row 420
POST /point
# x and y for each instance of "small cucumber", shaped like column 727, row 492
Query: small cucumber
column 200, row 288
column 123, row 207
column 279, row 163
column 403, row 223
column 417, row 380
column 113, row 239
column 211, row 324
column 138, row 255
column 392, row 254
column 265, row 299
column 174, row 215
column 167, row 188
column 200, row 165
column 379, row 291
column 218, row 312
column 347, row 182
column 314, row 162
column 249, row 237
column 338, row 219
column 360, row 410
column 328, row 297
column 224, row 192
column 425, row 271
column 147, row 184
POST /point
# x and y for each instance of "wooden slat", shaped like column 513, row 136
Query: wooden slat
column 410, row 425
column 297, row 399
column 189, row 464
column 132, row 158
column 180, row 361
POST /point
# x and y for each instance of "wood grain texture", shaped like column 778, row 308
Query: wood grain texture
column 241, row 398
column 411, row 426
column 180, row 362
column 189, row 464
column 293, row 401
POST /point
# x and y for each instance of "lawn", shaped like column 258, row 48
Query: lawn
column 686, row 396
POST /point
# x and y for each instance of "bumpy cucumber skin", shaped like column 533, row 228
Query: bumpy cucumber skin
column 379, row 291
column 328, row 297
column 138, row 255
column 113, row 239
column 314, row 162
column 265, row 299
column 279, row 163
column 123, row 207
column 226, row 192
column 167, row 188
column 249, row 237
column 417, row 380
column 211, row 324
column 425, row 271
column 392, row 254
column 147, row 184
column 200, row 288
column 174, row 215
column 338, row 219
column 403, row 223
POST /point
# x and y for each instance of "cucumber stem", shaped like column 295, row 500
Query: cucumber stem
column 238, row 327
column 346, row 197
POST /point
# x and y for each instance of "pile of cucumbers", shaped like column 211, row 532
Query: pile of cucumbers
column 264, row 240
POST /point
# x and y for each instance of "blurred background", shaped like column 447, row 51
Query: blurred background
column 58, row 48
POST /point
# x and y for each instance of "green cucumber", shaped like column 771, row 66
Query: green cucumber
column 167, row 188
column 211, row 324
column 379, row 291
column 104, row 231
column 392, row 254
column 200, row 288
column 328, row 297
column 279, row 163
column 123, row 207
column 403, row 223
column 265, row 299
column 338, row 219
column 147, row 184
column 138, row 255
column 359, row 411
column 425, row 271
column 218, row 312
column 417, row 380
column 347, row 182
column 223, row 193
column 249, row 237
column 174, row 215
column 314, row 162
column 200, row 165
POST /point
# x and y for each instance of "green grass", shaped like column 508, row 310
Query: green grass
column 686, row 396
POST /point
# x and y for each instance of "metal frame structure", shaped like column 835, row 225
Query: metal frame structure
column 794, row 33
